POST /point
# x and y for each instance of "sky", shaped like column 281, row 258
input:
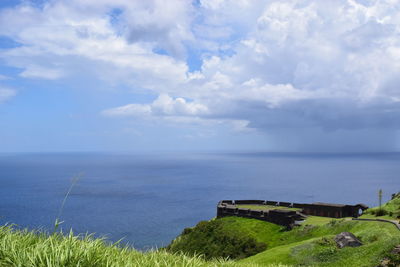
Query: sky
column 181, row 75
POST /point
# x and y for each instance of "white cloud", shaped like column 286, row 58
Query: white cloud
column 265, row 64
column 69, row 37
column 164, row 105
column 304, row 63
column 34, row 71
column 6, row 94
column 129, row 110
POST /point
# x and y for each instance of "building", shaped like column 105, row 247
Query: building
column 284, row 215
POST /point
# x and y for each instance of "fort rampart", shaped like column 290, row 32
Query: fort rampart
column 281, row 215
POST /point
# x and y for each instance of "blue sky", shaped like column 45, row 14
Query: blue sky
column 127, row 75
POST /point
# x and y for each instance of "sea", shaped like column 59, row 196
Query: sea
column 146, row 200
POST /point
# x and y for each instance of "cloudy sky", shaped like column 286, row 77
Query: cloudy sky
column 134, row 75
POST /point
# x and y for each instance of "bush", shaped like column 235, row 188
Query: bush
column 187, row 231
column 381, row 212
column 212, row 240
column 370, row 211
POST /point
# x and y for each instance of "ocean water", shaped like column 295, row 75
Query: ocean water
column 148, row 199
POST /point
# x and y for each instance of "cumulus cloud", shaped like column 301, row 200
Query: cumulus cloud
column 66, row 38
column 265, row 65
column 164, row 105
column 332, row 65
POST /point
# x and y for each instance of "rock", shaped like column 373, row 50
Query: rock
column 346, row 239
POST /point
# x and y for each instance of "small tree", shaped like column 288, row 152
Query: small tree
column 380, row 199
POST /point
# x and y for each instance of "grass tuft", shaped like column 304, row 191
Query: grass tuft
column 39, row 249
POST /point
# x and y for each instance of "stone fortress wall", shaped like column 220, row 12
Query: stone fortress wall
column 286, row 217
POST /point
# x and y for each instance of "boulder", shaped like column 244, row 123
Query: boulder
column 346, row 239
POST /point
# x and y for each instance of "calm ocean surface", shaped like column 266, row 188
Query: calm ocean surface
column 149, row 199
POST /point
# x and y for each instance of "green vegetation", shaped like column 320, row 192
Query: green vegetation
column 317, row 220
column 311, row 244
column 390, row 210
column 34, row 249
column 265, row 207
column 219, row 238
column 392, row 260
column 74, row 181
column 251, row 242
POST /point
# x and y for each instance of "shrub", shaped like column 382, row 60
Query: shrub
column 371, row 211
column 212, row 240
column 187, row 231
column 381, row 212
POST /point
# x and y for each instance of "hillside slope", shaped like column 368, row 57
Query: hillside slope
column 310, row 244
column 314, row 245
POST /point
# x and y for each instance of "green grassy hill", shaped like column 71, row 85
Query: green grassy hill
column 314, row 245
column 311, row 244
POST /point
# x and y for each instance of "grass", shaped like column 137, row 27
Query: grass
column 58, row 222
column 371, row 216
column 313, row 245
column 391, row 210
column 265, row 232
column 317, row 220
column 218, row 238
column 262, row 231
column 308, row 245
column 35, row 249
column 266, row 207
